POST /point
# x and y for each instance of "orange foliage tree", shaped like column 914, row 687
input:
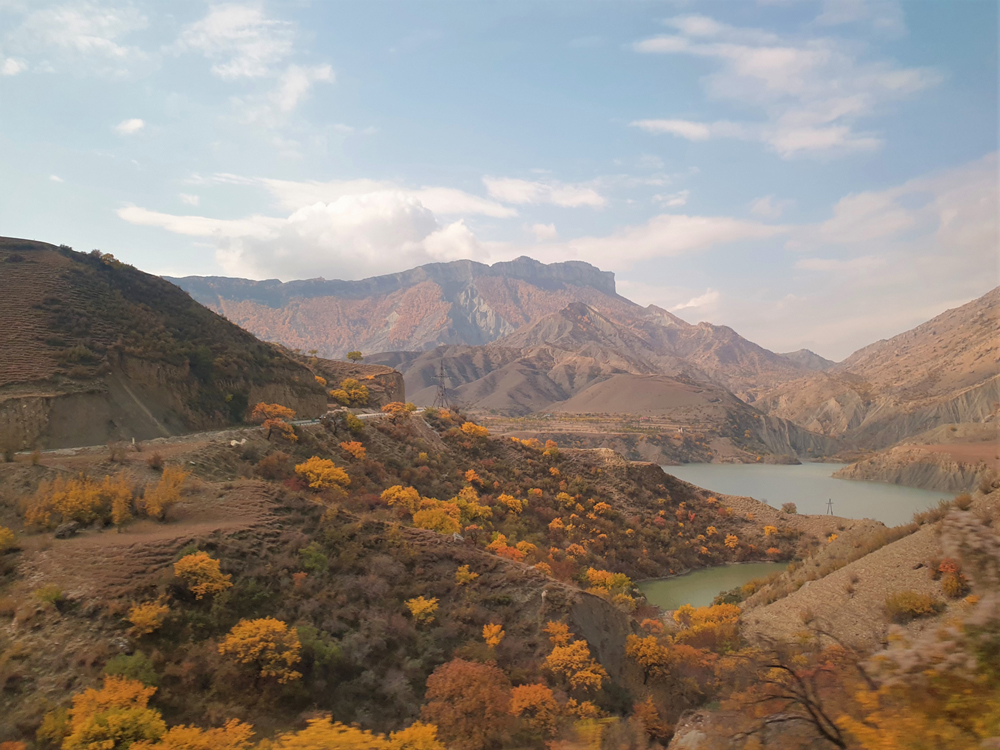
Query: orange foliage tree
column 266, row 644
column 233, row 735
column 493, row 634
column 536, row 706
column 272, row 418
column 469, row 704
column 355, row 448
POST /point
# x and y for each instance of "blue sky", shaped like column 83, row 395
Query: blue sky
column 813, row 174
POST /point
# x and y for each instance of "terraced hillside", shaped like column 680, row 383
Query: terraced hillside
column 94, row 350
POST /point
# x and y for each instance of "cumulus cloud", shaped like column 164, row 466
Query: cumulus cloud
column 813, row 93
column 240, row 41
column 518, row 192
column 882, row 15
column 129, row 127
column 350, row 237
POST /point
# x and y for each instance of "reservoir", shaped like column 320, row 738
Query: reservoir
column 810, row 487
column 701, row 587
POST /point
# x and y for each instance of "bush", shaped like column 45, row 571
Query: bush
column 202, row 575
column 789, row 508
column 909, row 605
column 167, row 492
column 135, row 667
column 50, row 593
column 8, row 540
column 155, row 462
column 955, row 585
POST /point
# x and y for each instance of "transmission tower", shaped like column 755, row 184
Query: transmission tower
column 829, row 507
column 441, row 400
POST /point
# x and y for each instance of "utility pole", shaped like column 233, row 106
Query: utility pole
column 441, row 400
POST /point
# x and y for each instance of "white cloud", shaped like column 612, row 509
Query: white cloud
column 189, row 200
column 664, row 236
column 296, row 82
column 291, row 195
column 673, row 200
column 708, row 300
column 88, row 36
column 813, row 92
column 56, row 178
column 883, row 15
column 11, row 66
column 129, row 127
column 770, row 207
column 544, row 232
column 350, row 237
column 518, row 192
column 240, row 40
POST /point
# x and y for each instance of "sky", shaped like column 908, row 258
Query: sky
column 812, row 173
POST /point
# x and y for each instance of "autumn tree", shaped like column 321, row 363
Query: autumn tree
column 355, row 448
column 147, row 618
column 469, row 704
column 350, row 393
column 8, row 540
column 463, row 575
column 166, row 492
column 574, row 663
column 402, row 497
column 355, row 356
column 273, row 420
column 536, row 706
column 423, row 610
column 493, row 634
column 202, row 574
column 474, row 430
column 438, row 516
column 322, row 474
column 266, row 644
column 233, row 735
column 115, row 716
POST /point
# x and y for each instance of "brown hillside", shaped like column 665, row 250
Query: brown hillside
column 944, row 371
column 96, row 350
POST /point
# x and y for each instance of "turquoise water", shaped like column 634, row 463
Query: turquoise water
column 701, row 587
column 810, row 487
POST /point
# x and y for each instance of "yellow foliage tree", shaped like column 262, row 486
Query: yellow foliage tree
column 423, row 610
column 732, row 541
column 575, row 664
column 324, row 734
column 115, row 716
column 166, row 492
column 438, row 516
column 262, row 412
column 493, row 634
column 202, row 575
column 474, row 430
column 356, row 449
column 417, row 736
column 147, row 618
column 404, row 497
column 463, row 575
column 8, row 540
column 511, row 503
column 267, row 644
column 770, row 530
column 233, row 735
column 536, row 706
column 467, row 501
column 81, row 499
column 559, row 634
column 322, row 473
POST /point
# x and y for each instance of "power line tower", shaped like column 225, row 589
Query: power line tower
column 829, row 507
column 441, row 400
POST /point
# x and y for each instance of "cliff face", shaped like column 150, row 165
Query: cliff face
column 462, row 302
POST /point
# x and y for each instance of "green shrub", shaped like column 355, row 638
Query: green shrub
column 313, row 559
column 50, row 593
column 136, row 666
column 909, row 605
